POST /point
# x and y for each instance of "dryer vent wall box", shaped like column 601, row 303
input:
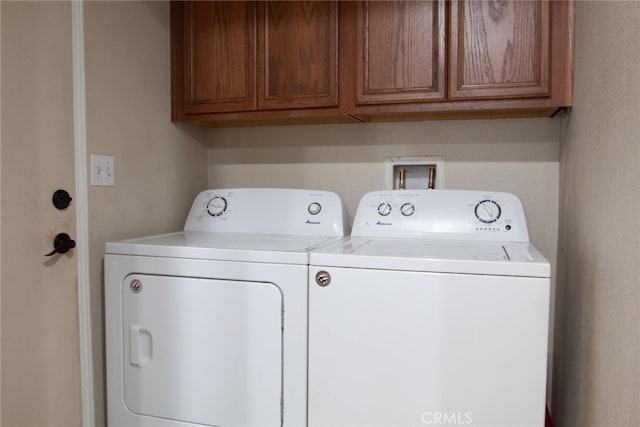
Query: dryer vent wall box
column 208, row 326
column 436, row 306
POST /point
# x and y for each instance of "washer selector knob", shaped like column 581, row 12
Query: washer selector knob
column 217, row 206
column 407, row 209
column 384, row 209
column 488, row 211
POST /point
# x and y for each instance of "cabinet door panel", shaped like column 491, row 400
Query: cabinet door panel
column 220, row 59
column 401, row 51
column 499, row 49
column 298, row 54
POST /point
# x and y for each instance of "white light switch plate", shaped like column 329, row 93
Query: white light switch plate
column 101, row 170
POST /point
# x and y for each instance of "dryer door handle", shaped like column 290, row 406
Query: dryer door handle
column 140, row 346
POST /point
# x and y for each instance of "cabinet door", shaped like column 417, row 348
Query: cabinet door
column 400, row 51
column 298, row 54
column 499, row 49
column 219, row 43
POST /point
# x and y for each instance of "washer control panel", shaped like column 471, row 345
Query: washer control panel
column 268, row 211
column 446, row 214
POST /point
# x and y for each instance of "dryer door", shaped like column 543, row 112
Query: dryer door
column 202, row 350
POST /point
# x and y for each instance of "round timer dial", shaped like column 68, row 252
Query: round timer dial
column 217, row 206
column 488, row 211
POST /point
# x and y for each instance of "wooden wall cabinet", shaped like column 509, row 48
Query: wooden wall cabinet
column 400, row 51
column 217, row 56
column 499, row 49
column 255, row 62
column 509, row 58
column 281, row 62
column 298, row 54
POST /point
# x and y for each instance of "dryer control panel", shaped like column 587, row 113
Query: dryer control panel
column 268, row 211
column 441, row 214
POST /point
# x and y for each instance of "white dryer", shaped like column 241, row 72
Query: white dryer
column 434, row 312
column 209, row 326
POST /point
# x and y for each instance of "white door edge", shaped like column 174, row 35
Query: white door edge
column 82, row 213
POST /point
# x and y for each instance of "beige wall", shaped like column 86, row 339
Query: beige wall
column 159, row 167
column 40, row 376
column 519, row 156
column 597, row 378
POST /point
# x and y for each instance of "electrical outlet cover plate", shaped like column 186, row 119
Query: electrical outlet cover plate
column 417, row 171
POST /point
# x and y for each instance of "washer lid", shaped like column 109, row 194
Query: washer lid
column 439, row 256
column 280, row 249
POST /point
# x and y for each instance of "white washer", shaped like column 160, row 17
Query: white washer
column 209, row 326
column 434, row 312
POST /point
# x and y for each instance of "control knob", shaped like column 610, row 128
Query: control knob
column 407, row 209
column 488, row 211
column 217, row 206
column 384, row 209
column 314, row 208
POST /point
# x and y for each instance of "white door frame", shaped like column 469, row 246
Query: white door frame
column 82, row 213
